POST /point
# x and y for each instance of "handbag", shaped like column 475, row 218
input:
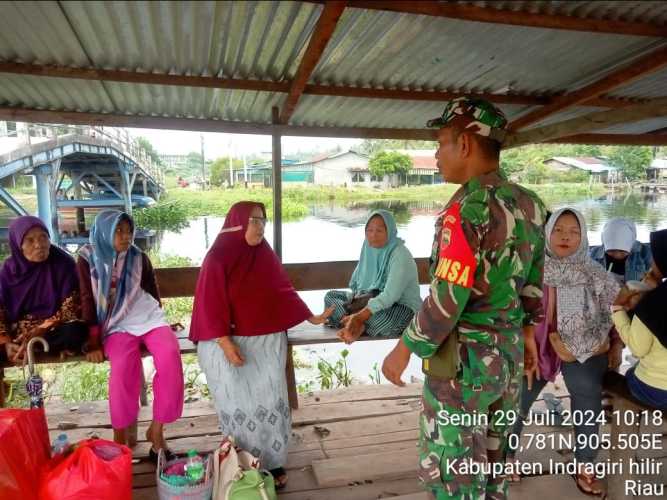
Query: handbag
column 357, row 302
column 236, row 475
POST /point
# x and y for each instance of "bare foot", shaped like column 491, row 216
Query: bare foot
column 132, row 435
column 120, row 436
column 155, row 435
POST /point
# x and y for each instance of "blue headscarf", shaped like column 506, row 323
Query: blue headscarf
column 101, row 256
column 373, row 267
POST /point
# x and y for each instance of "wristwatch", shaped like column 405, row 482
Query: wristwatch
column 615, row 308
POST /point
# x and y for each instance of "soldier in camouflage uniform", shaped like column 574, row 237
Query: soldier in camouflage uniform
column 486, row 270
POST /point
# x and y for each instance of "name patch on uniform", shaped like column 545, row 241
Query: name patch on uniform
column 456, row 261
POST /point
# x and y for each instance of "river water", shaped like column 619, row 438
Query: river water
column 335, row 232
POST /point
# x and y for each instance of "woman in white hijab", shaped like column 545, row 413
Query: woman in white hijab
column 620, row 252
column 578, row 293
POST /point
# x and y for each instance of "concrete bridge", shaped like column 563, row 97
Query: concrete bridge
column 82, row 167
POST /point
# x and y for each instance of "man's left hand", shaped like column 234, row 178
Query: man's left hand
column 395, row 363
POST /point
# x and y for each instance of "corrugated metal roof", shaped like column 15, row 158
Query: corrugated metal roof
column 329, row 111
column 650, row 87
column 394, row 50
column 636, row 11
column 640, row 127
column 267, row 40
column 262, row 40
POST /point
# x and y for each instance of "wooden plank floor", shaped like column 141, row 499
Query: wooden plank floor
column 353, row 431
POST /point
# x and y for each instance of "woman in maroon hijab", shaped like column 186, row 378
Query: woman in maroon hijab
column 243, row 304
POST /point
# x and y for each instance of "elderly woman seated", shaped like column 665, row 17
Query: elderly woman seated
column 38, row 293
column 384, row 286
column 645, row 333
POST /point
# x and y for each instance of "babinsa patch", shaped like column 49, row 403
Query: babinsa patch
column 456, row 262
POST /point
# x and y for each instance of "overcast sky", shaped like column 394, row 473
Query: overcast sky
column 216, row 145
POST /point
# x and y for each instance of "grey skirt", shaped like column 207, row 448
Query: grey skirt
column 251, row 400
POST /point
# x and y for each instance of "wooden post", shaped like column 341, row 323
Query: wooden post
column 80, row 214
column 292, row 393
column 277, row 187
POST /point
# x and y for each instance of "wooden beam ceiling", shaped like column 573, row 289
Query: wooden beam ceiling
column 124, row 76
column 204, row 125
column 467, row 12
column 590, row 122
column 649, row 139
column 201, row 125
column 643, row 66
column 324, row 30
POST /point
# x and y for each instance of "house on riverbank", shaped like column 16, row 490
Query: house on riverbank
column 657, row 172
column 347, row 168
column 597, row 169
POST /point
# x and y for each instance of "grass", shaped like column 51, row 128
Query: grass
column 170, row 215
column 218, row 201
column 177, row 309
column 296, row 199
column 180, row 205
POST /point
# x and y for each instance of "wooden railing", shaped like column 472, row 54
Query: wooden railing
column 181, row 281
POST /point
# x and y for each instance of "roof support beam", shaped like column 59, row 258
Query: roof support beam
column 203, row 125
column 466, row 12
column 107, row 75
column 200, row 125
column 592, row 121
column 649, row 139
column 638, row 68
column 322, row 33
column 116, row 75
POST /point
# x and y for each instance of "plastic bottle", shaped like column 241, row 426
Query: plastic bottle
column 60, row 445
column 194, row 467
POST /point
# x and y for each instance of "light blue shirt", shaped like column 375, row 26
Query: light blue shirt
column 402, row 285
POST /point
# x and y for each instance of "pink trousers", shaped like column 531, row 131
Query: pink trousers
column 124, row 353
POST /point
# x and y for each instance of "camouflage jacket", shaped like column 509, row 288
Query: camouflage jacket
column 486, row 269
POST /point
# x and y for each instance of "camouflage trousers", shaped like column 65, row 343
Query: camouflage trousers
column 466, row 420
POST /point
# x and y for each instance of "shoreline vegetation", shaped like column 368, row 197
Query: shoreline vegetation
column 180, row 205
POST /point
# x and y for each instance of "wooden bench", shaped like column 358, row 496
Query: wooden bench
column 182, row 281
column 624, row 402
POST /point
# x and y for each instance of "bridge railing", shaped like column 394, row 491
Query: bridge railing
column 119, row 136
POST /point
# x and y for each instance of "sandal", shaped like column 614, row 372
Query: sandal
column 168, row 455
column 589, row 481
column 279, row 477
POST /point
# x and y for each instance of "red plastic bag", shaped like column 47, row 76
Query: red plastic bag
column 24, row 449
column 97, row 469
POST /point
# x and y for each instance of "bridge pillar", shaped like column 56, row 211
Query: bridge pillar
column 125, row 188
column 46, row 199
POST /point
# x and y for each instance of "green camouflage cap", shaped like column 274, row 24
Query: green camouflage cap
column 474, row 115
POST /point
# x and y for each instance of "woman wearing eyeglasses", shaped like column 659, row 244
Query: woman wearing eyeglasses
column 243, row 304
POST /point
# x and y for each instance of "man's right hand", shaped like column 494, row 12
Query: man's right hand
column 531, row 367
column 232, row 351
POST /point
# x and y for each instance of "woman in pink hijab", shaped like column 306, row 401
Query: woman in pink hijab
column 243, row 304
